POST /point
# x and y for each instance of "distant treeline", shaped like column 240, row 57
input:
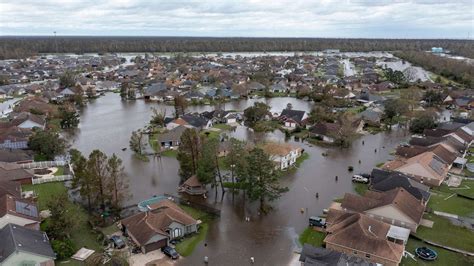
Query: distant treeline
column 21, row 47
column 456, row 70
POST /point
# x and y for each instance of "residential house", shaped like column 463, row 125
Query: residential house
column 283, row 155
column 12, row 137
column 171, row 138
column 14, row 172
column 192, row 186
column 154, row 92
column 278, row 88
column 358, row 235
column 383, row 181
column 29, row 121
column 152, row 230
column 18, row 211
column 293, row 118
column 311, row 256
column 15, row 156
column 24, row 246
column 426, row 168
column 397, row 207
column 324, row 131
column 190, row 121
column 371, row 116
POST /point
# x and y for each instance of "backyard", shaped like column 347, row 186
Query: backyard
column 444, row 199
column 446, row 233
column 83, row 235
column 445, row 257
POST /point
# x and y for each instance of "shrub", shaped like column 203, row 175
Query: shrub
column 63, row 249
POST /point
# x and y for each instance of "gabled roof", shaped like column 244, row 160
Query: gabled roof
column 383, row 180
column 311, row 255
column 18, row 207
column 195, row 120
column 364, row 234
column 144, row 225
column 398, row 197
column 10, row 188
column 324, row 128
column 11, row 171
column 172, row 135
column 19, row 238
column 296, row 115
column 281, row 149
column 11, row 156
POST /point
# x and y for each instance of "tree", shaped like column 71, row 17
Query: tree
column 64, row 249
column 396, row 76
column 256, row 113
column 124, row 87
column 189, row 152
column 61, row 222
column 67, row 79
column 69, row 117
column 117, row 187
column 82, row 179
column 206, row 164
column 97, row 169
column 158, row 117
column 433, row 97
column 263, row 181
column 394, row 108
column 136, row 142
column 424, row 121
column 46, row 144
column 180, row 105
column 343, row 136
column 236, row 160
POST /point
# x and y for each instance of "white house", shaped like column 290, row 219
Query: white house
column 283, row 155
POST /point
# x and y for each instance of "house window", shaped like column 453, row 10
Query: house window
column 177, row 232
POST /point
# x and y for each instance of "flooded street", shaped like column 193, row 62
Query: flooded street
column 107, row 123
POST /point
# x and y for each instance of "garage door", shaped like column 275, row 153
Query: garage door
column 155, row 245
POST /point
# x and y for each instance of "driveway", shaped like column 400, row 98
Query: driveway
column 155, row 257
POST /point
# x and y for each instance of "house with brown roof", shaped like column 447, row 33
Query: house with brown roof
column 192, row 186
column 324, row 131
column 358, row 235
column 427, row 168
column 29, row 121
column 18, row 211
column 397, row 207
column 14, row 172
column 283, row 155
column 153, row 229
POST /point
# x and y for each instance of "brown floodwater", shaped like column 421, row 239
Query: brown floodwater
column 107, row 123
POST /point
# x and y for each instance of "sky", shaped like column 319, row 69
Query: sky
column 241, row 18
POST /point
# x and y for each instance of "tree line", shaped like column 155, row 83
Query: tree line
column 23, row 46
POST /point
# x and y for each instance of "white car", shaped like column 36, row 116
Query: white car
column 360, row 179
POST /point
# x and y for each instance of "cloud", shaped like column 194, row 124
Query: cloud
column 279, row 18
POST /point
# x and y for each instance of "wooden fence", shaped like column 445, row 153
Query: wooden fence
column 58, row 178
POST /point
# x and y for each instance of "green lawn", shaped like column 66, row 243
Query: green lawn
column 60, row 171
column 170, row 153
column 210, row 134
column 360, row 188
column 223, row 126
column 264, row 126
column 442, row 199
column 312, row 237
column 301, row 159
column 445, row 257
column 445, row 233
column 83, row 236
column 187, row 246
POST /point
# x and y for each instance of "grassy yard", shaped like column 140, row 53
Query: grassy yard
column 360, row 188
column 83, row 236
column 210, row 134
column 264, row 126
column 312, row 237
column 223, row 126
column 445, row 257
column 187, row 246
column 170, row 153
column 60, row 171
column 442, row 199
column 445, row 233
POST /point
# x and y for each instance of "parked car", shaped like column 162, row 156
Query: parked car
column 317, row 221
column 360, row 179
column 170, row 252
column 117, row 241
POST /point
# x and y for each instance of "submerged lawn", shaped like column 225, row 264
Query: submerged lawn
column 312, row 237
column 187, row 246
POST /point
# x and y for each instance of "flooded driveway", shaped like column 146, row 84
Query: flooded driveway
column 107, row 123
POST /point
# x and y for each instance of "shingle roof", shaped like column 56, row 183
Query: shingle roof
column 19, row 238
column 359, row 232
column 383, row 180
column 296, row 115
column 397, row 197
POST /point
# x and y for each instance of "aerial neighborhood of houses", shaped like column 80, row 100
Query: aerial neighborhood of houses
column 237, row 124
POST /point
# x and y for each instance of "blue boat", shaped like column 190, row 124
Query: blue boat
column 143, row 205
column 425, row 253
